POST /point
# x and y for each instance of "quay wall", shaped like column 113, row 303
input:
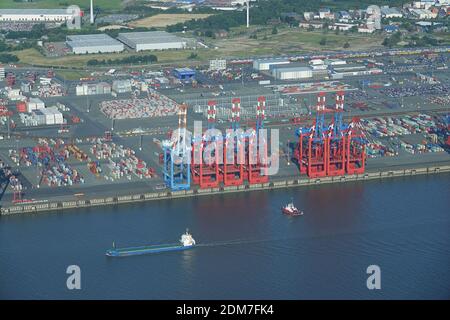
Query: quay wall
column 161, row 195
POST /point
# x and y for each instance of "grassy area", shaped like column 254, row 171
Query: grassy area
column 163, row 19
column 444, row 36
column 239, row 45
column 34, row 57
column 72, row 74
column 49, row 4
column 290, row 41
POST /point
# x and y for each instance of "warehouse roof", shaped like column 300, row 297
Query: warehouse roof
column 184, row 70
column 35, row 11
column 150, row 37
column 390, row 11
column 295, row 65
column 271, row 60
column 90, row 40
column 350, row 66
column 290, row 69
column 35, row 100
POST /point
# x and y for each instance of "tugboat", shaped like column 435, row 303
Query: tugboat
column 186, row 242
column 291, row 210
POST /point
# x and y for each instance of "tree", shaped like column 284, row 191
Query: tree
column 7, row 58
column 193, row 55
column 274, row 30
column 346, row 45
column 4, row 47
column 392, row 40
column 323, row 41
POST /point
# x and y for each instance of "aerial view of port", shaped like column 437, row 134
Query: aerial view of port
column 224, row 150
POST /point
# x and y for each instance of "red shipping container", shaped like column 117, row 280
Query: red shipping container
column 21, row 107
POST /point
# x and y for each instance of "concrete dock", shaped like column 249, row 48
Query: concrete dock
column 38, row 207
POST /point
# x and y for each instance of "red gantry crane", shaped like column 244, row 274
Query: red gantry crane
column 233, row 149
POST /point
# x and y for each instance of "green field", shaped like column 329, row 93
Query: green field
column 49, row 4
column 287, row 41
column 72, row 74
column 34, row 57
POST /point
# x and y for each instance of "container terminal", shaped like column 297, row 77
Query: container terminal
column 106, row 139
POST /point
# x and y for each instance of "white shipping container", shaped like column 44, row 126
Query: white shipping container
column 79, row 90
column 59, row 119
column 38, row 117
column 35, row 104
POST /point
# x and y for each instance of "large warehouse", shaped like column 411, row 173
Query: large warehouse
column 184, row 74
column 93, row 43
column 267, row 64
column 152, row 40
column 34, row 15
column 292, row 73
column 339, row 72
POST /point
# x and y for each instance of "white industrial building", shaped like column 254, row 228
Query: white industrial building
column 423, row 4
column 366, row 30
column 217, row 64
column 93, row 43
column 292, row 73
column 348, row 70
column 317, row 64
column 423, row 14
column 25, row 87
column 87, row 89
column 335, row 62
column 341, row 26
column 265, row 64
column 387, row 12
column 34, row 15
column 152, row 40
column 121, row 86
column 35, row 104
column 47, row 116
column 15, row 94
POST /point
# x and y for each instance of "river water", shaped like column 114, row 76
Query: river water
column 249, row 249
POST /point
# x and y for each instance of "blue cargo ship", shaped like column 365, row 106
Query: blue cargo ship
column 186, row 242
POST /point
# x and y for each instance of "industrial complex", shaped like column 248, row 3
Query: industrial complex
column 152, row 40
column 93, row 43
column 135, row 41
column 120, row 132
column 35, row 15
column 340, row 116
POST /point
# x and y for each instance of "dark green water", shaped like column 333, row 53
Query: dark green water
column 250, row 249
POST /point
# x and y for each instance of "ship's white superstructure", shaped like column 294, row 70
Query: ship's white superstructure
column 187, row 240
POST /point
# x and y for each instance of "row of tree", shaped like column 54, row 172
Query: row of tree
column 8, row 58
column 144, row 59
column 414, row 40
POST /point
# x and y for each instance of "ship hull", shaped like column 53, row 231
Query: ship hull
column 134, row 251
column 291, row 213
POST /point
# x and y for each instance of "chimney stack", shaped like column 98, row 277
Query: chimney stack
column 248, row 13
column 92, row 11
